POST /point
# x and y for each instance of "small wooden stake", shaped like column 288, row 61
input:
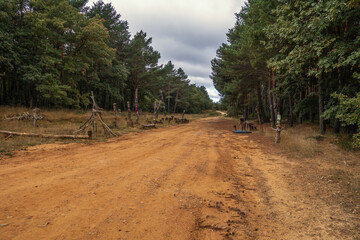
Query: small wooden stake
column 278, row 128
column 115, row 112
column 36, row 116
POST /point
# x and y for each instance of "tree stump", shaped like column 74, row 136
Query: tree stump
column 36, row 116
column 277, row 136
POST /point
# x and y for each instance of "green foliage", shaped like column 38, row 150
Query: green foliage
column 293, row 55
column 54, row 53
column 348, row 112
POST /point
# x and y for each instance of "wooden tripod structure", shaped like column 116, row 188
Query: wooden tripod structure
column 96, row 114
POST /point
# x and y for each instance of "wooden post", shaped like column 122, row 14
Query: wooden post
column 115, row 112
column 182, row 117
column 162, row 100
column 129, row 121
column 278, row 128
column 36, row 116
column 277, row 136
column 156, row 110
column 90, row 134
column 129, row 110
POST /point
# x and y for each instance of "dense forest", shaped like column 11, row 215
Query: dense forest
column 299, row 58
column 54, row 53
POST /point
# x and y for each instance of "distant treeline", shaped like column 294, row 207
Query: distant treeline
column 299, row 58
column 55, row 52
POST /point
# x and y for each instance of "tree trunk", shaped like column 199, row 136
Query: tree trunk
column 336, row 126
column 274, row 100
column 291, row 112
column 300, row 114
column 115, row 115
column 176, row 99
column 129, row 111
column 21, row 10
column 244, row 106
column 321, row 107
column 4, row 89
column 260, row 106
column 136, row 98
column 168, row 103
column 271, row 109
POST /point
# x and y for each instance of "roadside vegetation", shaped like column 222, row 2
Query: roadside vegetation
column 55, row 53
column 66, row 121
column 320, row 162
column 297, row 58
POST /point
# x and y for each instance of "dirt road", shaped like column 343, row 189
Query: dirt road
column 194, row 181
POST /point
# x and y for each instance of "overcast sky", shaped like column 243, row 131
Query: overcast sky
column 186, row 32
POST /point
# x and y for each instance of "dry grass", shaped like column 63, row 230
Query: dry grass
column 303, row 141
column 339, row 167
column 65, row 121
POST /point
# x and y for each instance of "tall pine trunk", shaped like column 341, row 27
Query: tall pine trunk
column 321, row 107
column 291, row 112
column 300, row 114
column 4, row 95
column 136, row 85
column 168, row 97
column 260, row 106
column 271, row 109
column 275, row 101
column 176, row 99
column 336, row 126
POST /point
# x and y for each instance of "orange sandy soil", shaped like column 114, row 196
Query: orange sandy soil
column 194, row 181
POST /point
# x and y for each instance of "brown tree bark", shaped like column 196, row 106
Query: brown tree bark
column 300, row 114
column 272, row 115
column 321, row 107
column 260, row 106
column 291, row 112
column 168, row 97
column 176, row 99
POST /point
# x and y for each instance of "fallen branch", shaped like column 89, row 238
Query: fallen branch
column 23, row 116
column 145, row 126
column 7, row 133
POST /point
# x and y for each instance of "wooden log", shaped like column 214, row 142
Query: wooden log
column 144, row 126
column 44, row 135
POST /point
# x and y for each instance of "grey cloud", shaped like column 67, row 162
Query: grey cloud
column 196, row 70
column 187, row 32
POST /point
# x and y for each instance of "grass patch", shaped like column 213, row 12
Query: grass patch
column 345, row 143
column 214, row 114
column 348, row 182
column 301, row 143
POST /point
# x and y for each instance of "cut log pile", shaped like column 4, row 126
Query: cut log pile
column 23, row 116
column 91, row 122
